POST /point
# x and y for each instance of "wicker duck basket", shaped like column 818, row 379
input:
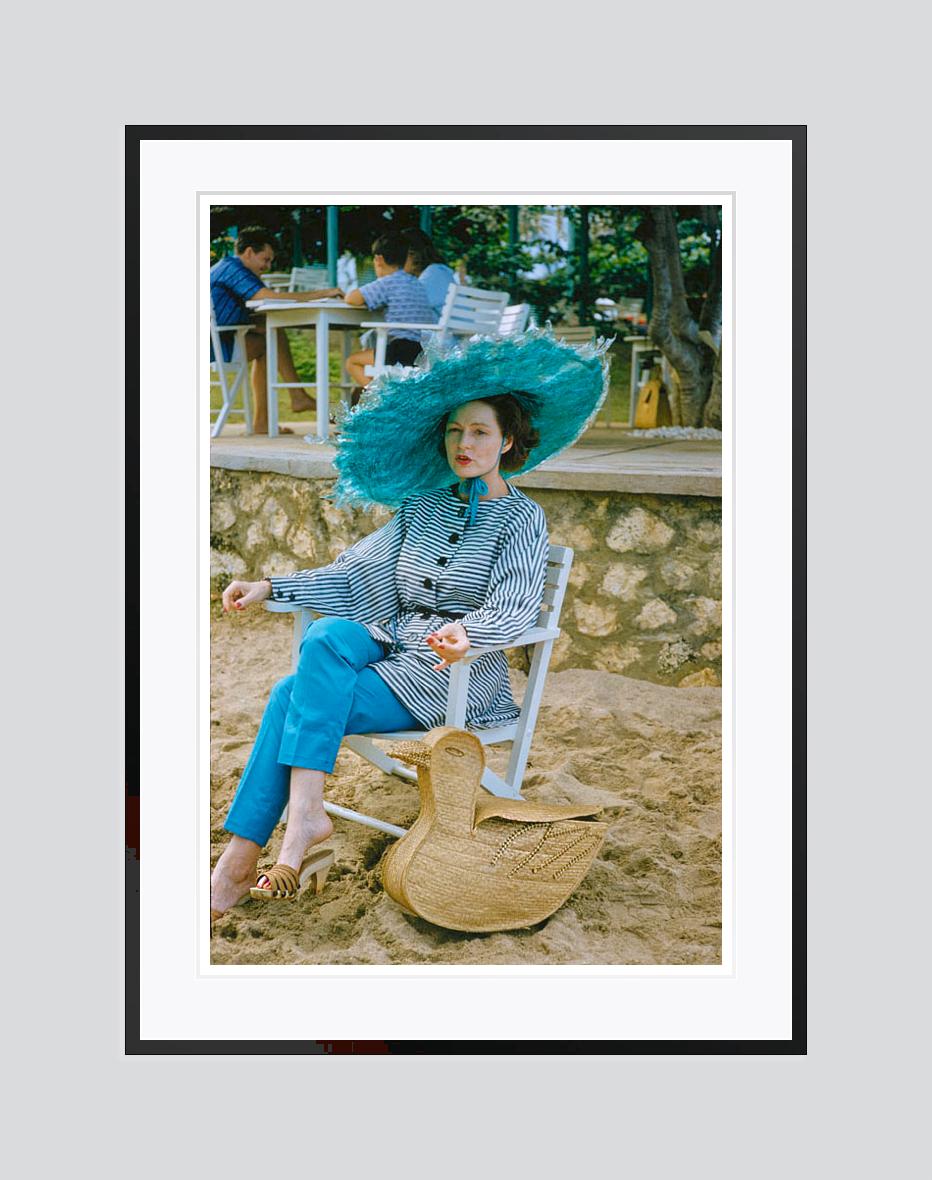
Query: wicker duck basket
column 483, row 865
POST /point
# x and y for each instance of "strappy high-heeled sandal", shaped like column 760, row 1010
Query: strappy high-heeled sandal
column 286, row 883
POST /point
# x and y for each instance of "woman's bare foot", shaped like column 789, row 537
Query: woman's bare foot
column 301, row 402
column 234, row 874
column 265, row 430
column 300, row 836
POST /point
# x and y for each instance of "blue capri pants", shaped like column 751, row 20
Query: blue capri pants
column 332, row 693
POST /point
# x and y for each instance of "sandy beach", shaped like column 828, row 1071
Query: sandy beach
column 649, row 755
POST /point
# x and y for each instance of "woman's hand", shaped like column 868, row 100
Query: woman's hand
column 450, row 642
column 239, row 595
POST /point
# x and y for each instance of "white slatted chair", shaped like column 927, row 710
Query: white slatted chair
column 308, row 278
column 277, row 280
column 467, row 311
column 575, row 333
column 514, row 319
column 231, row 375
column 541, row 637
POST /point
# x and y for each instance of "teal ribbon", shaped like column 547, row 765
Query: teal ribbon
column 475, row 487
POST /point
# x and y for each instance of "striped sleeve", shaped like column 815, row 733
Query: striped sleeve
column 360, row 585
column 516, row 587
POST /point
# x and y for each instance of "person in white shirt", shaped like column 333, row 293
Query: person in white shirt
column 425, row 263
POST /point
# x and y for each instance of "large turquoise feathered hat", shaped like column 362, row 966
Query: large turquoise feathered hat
column 389, row 447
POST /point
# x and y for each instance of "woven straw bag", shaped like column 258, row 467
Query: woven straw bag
column 494, row 864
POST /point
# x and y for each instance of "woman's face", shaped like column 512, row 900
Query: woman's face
column 473, row 440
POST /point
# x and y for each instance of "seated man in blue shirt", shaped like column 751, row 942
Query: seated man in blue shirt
column 404, row 299
column 237, row 278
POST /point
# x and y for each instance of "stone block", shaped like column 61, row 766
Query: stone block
column 705, row 677
column 714, row 572
column 579, row 574
column 275, row 518
column 639, row 531
column 706, row 614
column 256, row 537
column 676, row 574
column 622, row 581
column 303, row 545
column 229, row 565
column 593, row 619
column 222, row 516
column 654, row 614
column 708, row 533
column 612, row 658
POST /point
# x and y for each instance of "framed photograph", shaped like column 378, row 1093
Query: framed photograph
column 578, row 826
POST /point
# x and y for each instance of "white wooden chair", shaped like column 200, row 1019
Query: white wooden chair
column 308, row 278
column 231, row 375
column 575, row 333
column 467, row 311
column 514, row 319
column 277, row 280
column 541, row 637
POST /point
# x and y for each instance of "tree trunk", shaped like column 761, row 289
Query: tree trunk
column 672, row 326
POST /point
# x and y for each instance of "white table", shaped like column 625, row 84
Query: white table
column 322, row 315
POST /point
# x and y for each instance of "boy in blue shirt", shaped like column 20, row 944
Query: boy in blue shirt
column 237, row 278
column 404, row 299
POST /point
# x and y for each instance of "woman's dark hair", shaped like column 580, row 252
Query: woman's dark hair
column 514, row 421
column 392, row 246
column 421, row 248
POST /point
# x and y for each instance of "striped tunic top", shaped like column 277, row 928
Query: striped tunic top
column 425, row 563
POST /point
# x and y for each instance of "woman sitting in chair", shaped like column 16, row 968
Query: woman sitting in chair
column 460, row 564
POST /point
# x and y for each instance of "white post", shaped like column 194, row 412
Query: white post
column 322, row 341
column 271, row 373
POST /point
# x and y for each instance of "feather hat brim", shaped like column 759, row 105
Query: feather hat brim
column 390, row 445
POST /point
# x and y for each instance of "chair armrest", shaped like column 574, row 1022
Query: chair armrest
column 283, row 608
column 233, row 327
column 409, row 327
column 535, row 635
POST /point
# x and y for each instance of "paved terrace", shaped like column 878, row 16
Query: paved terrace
column 604, row 460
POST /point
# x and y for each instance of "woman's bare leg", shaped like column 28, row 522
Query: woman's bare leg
column 308, row 823
column 234, row 873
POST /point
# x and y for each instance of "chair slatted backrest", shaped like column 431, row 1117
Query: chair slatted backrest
column 514, row 319
column 575, row 333
column 308, row 278
column 277, row 280
column 470, row 311
column 559, row 560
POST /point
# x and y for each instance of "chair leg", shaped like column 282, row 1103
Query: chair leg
column 497, row 786
column 366, row 748
column 381, row 344
column 521, row 747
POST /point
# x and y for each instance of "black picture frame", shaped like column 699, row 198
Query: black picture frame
column 795, row 1044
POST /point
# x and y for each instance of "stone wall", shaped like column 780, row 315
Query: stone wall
column 645, row 588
